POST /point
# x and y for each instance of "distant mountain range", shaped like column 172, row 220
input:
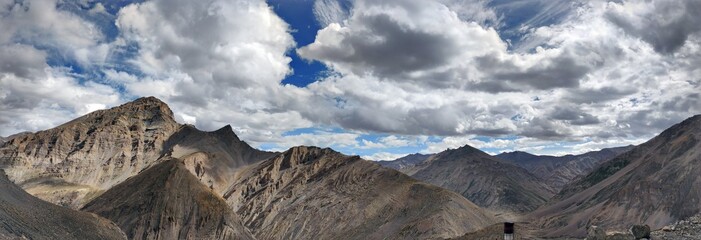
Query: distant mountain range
column 556, row 172
column 487, row 181
column 133, row 172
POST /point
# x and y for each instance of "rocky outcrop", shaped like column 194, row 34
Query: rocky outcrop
column 79, row 159
column 313, row 193
column 640, row 231
column 656, row 183
column 559, row 171
column 487, row 181
column 167, row 202
column 24, row 216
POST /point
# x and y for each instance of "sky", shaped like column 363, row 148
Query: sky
column 379, row 79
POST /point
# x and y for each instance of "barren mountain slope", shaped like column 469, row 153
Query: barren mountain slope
column 72, row 162
column 213, row 156
column 559, row 171
column 167, row 202
column 312, row 193
column 655, row 183
column 485, row 180
column 24, row 216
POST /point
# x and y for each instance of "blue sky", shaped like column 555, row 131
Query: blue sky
column 376, row 79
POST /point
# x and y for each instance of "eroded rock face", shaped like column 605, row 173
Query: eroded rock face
column 77, row 160
column 167, row 202
column 313, row 193
column 656, row 183
column 24, row 216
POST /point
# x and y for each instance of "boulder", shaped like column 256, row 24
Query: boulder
column 596, row 233
column 640, row 231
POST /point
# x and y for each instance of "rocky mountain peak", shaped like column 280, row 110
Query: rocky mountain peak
column 465, row 151
column 227, row 132
column 90, row 153
column 148, row 104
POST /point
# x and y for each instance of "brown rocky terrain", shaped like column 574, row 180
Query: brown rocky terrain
column 688, row 229
column 213, row 156
column 167, row 202
column 559, row 171
column 655, row 184
column 313, row 193
column 24, row 216
column 159, row 179
column 73, row 162
column 487, row 181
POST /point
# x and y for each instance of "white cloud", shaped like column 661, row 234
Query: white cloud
column 317, row 138
column 409, row 69
column 218, row 62
column 383, row 156
column 331, row 11
column 582, row 74
column 34, row 95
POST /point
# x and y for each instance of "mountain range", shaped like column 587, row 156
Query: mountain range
column 157, row 179
column 133, row 172
column 485, row 180
column 557, row 171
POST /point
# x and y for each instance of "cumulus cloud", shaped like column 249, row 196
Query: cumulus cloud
column 602, row 72
column 665, row 24
column 582, row 78
column 414, row 41
column 33, row 94
column 217, row 61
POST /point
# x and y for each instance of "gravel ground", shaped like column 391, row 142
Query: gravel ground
column 689, row 229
